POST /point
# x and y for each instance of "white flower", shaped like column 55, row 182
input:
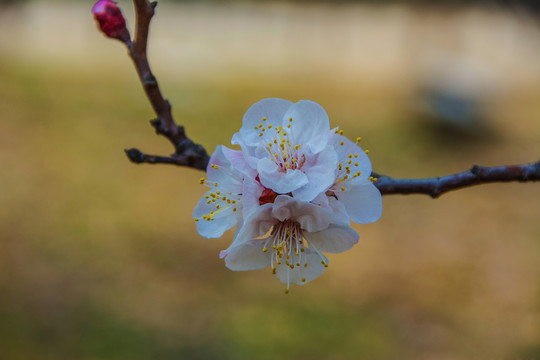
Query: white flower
column 287, row 143
column 352, row 196
column 221, row 207
column 289, row 236
column 293, row 190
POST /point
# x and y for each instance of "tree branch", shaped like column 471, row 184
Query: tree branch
column 187, row 153
column 477, row 175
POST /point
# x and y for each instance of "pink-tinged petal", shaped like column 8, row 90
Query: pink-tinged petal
column 238, row 161
column 358, row 156
column 320, row 173
column 272, row 110
column 248, row 151
column 221, row 170
column 252, row 191
column 281, row 182
column 310, row 125
column 311, row 217
column 334, row 239
column 301, row 275
column 222, row 221
column 248, row 256
column 363, row 202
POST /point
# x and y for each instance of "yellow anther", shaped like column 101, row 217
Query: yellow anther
column 374, row 180
column 297, row 264
column 350, row 156
column 215, row 184
column 217, row 206
column 286, row 291
column 275, row 141
column 345, row 177
column 303, row 279
column 302, row 250
column 209, row 202
column 217, row 192
column 358, row 139
column 196, row 219
column 340, row 166
column 355, row 164
column 284, row 133
column 255, row 128
column 206, row 196
column 263, row 129
column 265, row 249
column 211, row 213
column 290, row 119
column 367, row 151
column 234, row 209
column 291, row 266
column 233, row 201
column 274, row 271
column 342, row 143
column 343, row 188
column 294, row 160
column 305, row 265
column 261, row 134
column 355, row 155
column 201, row 180
column 337, row 130
column 213, row 195
column 349, row 162
column 260, row 125
column 264, row 119
column 340, row 132
column 289, row 126
column 298, row 146
column 269, row 126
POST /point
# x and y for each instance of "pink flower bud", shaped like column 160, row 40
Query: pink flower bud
column 110, row 20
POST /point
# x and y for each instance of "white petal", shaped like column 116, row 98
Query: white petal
column 320, row 172
column 310, row 216
column 348, row 147
column 238, row 161
column 340, row 216
column 248, row 256
column 294, row 276
column 222, row 222
column 251, row 193
column 257, row 225
column 222, row 171
column 363, row 202
column 272, row 109
column 310, row 125
column 281, row 182
column 334, row 239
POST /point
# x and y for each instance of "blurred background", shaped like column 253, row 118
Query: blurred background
column 99, row 258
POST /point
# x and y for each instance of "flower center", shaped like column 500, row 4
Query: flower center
column 289, row 248
column 280, row 145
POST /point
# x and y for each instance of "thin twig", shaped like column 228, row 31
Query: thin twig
column 187, row 153
column 477, row 175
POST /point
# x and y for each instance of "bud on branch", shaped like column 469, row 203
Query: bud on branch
column 111, row 21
